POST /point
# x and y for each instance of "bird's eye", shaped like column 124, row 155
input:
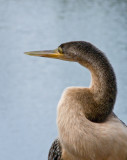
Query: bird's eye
column 60, row 50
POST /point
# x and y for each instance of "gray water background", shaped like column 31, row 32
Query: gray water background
column 30, row 87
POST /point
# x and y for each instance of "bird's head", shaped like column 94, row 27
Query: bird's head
column 70, row 51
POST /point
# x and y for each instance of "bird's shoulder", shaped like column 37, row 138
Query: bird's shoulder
column 55, row 151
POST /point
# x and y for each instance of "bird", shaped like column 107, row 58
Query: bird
column 88, row 128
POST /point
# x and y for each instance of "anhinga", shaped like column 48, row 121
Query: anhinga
column 88, row 129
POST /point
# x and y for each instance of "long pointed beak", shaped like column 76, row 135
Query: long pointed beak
column 48, row 53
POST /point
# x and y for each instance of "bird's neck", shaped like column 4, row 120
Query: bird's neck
column 103, row 88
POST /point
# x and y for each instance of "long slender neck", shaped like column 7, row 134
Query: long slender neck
column 103, row 86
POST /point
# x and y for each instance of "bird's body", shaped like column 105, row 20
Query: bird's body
column 88, row 129
column 86, row 140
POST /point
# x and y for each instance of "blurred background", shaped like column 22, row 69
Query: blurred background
column 31, row 86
